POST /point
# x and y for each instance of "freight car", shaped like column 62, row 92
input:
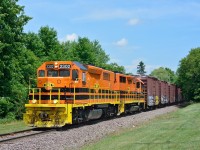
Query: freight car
column 159, row 93
column 70, row 92
column 151, row 90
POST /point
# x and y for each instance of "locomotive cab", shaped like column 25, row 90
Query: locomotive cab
column 60, row 74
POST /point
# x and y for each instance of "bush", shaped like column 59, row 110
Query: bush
column 5, row 106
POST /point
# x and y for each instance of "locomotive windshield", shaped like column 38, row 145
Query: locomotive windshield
column 52, row 73
column 64, row 73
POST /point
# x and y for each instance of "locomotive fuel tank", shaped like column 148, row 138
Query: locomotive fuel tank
column 94, row 114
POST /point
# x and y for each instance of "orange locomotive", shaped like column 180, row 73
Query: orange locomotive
column 70, row 92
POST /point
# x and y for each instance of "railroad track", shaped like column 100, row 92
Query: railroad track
column 12, row 136
column 8, row 137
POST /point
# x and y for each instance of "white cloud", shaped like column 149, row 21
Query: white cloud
column 71, row 37
column 133, row 21
column 123, row 42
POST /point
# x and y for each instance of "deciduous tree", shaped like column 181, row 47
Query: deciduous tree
column 52, row 48
column 88, row 52
column 164, row 74
column 13, row 55
column 115, row 67
column 189, row 75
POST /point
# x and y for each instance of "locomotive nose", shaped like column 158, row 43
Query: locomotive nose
column 50, row 83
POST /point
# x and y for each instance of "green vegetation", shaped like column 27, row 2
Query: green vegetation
column 141, row 68
column 12, row 127
column 189, row 75
column 177, row 130
column 22, row 53
column 15, row 59
column 164, row 74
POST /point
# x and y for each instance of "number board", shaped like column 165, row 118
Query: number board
column 50, row 66
column 65, row 66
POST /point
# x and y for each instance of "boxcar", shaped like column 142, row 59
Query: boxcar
column 164, row 93
column 151, row 90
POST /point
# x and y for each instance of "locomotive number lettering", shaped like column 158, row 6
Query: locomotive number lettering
column 50, row 66
column 65, row 66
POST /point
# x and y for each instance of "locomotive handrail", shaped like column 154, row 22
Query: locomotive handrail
column 38, row 91
column 100, row 95
column 59, row 95
column 33, row 91
column 74, row 94
column 108, row 94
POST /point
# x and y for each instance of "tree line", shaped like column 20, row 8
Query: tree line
column 22, row 53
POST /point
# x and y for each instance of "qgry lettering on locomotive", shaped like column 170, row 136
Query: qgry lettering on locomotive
column 50, row 66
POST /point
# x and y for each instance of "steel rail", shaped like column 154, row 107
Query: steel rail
column 16, row 132
column 21, row 136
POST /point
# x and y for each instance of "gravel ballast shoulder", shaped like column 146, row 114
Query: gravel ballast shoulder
column 74, row 138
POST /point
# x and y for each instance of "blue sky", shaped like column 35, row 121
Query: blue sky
column 158, row 32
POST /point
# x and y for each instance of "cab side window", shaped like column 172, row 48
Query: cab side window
column 41, row 73
column 74, row 74
column 122, row 79
column 138, row 85
column 106, row 76
column 84, row 77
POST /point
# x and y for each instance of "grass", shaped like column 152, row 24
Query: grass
column 179, row 130
column 12, row 127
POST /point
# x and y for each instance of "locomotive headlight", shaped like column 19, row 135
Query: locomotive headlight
column 55, row 101
column 34, row 101
column 56, row 65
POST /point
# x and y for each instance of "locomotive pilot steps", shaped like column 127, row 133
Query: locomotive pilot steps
column 69, row 92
